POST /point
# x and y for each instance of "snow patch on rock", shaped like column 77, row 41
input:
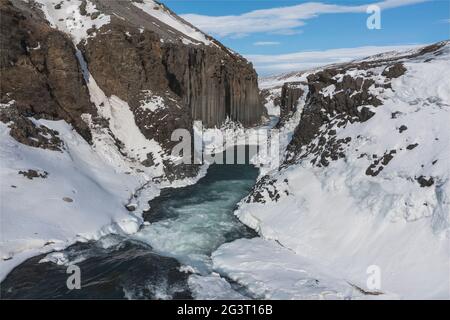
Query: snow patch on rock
column 66, row 16
column 164, row 15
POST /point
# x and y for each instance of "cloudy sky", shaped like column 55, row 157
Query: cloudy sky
column 280, row 36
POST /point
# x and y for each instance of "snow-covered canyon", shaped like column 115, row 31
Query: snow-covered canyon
column 362, row 191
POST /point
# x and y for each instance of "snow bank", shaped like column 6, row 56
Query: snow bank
column 346, row 221
column 269, row 271
column 81, row 198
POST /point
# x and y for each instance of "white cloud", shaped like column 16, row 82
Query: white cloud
column 266, row 43
column 275, row 64
column 281, row 20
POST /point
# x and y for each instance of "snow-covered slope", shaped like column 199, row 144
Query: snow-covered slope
column 163, row 14
column 67, row 17
column 360, row 190
column 76, row 195
column 51, row 198
column 76, row 17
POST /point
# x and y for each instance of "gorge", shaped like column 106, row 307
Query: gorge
column 91, row 92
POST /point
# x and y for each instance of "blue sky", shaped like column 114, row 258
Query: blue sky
column 273, row 34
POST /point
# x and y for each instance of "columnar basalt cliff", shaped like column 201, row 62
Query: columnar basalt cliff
column 135, row 51
column 130, row 55
column 214, row 85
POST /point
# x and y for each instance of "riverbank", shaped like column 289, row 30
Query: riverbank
column 183, row 227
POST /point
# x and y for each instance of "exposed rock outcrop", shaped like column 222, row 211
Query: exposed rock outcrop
column 290, row 93
column 130, row 55
column 331, row 103
column 394, row 71
column 214, row 84
column 136, row 51
column 364, row 172
column 39, row 68
column 32, row 174
column 337, row 97
column 26, row 132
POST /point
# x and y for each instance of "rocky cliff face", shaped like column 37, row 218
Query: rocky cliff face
column 290, row 93
column 59, row 57
column 334, row 98
column 214, row 86
column 39, row 70
column 209, row 80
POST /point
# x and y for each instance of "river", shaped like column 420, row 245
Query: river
column 184, row 226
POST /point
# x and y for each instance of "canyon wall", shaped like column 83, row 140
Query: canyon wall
column 133, row 56
column 130, row 55
column 39, row 69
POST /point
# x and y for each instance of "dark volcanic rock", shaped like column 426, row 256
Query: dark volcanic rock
column 39, row 68
column 402, row 128
column 133, row 57
column 210, row 84
column 348, row 103
column 394, row 71
column 290, row 93
column 347, row 100
column 424, row 182
column 264, row 186
column 380, row 163
column 31, row 174
column 25, row 131
column 179, row 171
column 337, row 97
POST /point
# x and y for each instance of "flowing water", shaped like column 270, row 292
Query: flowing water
column 186, row 226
